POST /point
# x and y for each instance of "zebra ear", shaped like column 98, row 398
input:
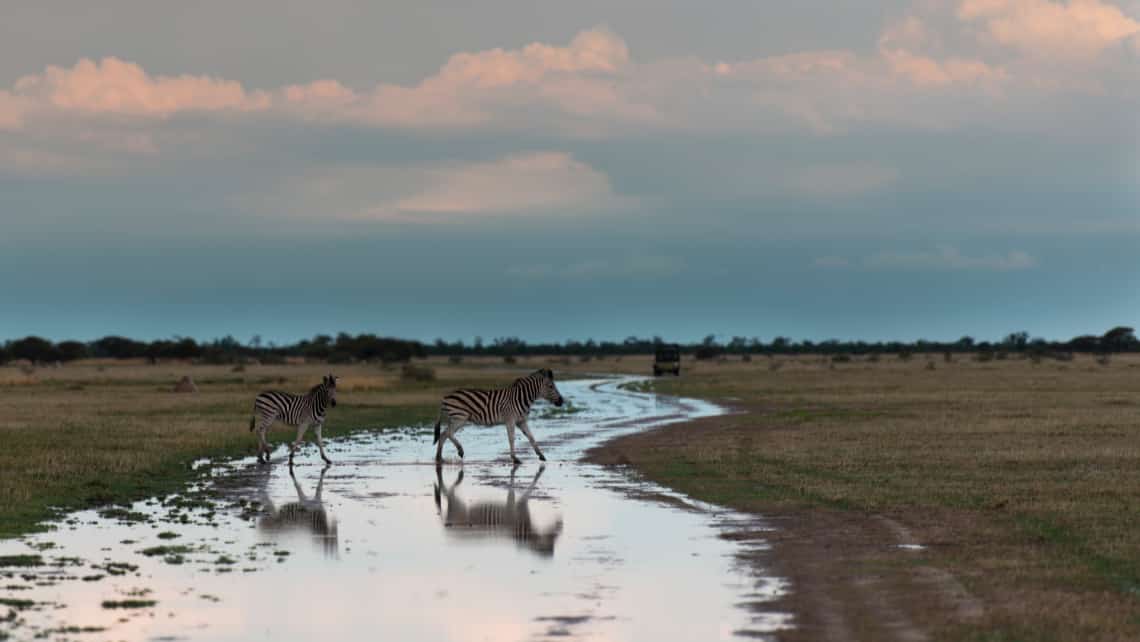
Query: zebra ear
column 549, row 373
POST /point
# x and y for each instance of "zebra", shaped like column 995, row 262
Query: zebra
column 509, row 520
column 293, row 410
column 508, row 406
column 306, row 515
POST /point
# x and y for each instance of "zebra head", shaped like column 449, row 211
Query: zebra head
column 549, row 391
column 328, row 387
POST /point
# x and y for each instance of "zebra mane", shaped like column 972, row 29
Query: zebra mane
column 536, row 375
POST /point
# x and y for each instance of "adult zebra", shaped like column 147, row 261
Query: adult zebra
column 301, row 411
column 509, row 406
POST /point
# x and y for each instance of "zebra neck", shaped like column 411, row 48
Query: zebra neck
column 526, row 397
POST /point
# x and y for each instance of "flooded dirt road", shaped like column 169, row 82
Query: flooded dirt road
column 383, row 545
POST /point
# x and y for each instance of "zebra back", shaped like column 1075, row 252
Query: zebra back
column 294, row 409
column 493, row 406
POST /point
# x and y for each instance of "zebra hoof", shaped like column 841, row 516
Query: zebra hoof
column 542, row 457
column 516, row 461
column 327, row 460
column 461, row 453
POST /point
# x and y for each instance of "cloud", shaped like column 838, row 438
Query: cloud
column 116, row 87
column 836, row 180
column 1073, row 29
column 831, row 262
column 483, row 88
column 950, row 258
column 518, row 185
column 635, row 266
column 943, row 258
column 523, row 183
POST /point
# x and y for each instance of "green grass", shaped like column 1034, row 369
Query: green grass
column 104, row 435
column 1027, row 475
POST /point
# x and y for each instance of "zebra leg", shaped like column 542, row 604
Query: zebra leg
column 453, row 426
column 526, row 431
column 511, row 441
column 263, row 443
column 321, row 444
column 301, row 428
column 458, row 446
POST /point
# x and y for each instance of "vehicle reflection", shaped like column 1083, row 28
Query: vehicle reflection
column 510, row 519
column 304, row 516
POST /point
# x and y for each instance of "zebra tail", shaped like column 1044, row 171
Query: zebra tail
column 252, row 420
column 437, row 423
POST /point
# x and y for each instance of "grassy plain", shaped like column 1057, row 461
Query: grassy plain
column 1022, row 479
column 91, row 433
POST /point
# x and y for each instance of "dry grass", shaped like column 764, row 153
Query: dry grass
column 1024, row 477
column 95, row 432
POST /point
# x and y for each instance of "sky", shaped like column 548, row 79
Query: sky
column 843, row 169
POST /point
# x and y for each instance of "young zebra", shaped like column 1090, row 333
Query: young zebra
column 293, row 410
column 508, row 406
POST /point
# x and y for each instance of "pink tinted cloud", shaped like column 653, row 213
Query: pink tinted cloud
column 1073, row 29
column 114, row 86
column 522, row 183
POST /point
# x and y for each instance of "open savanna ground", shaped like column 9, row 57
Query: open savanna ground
column 1021, row 479
column 94, row 432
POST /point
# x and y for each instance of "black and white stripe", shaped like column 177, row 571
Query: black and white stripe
column 487, row 519
column 301, row 411
column 509, row 406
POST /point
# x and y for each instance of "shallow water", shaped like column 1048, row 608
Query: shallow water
column 383, row 545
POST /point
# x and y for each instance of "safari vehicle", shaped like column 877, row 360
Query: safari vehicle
column 667, row 359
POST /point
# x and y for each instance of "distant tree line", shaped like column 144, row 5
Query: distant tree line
column 1118, row 339
column 345, row 348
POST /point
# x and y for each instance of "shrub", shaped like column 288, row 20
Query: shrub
column 930, row 365
column 874, row 357
column 948, row 357
column 905, row 355
column 584, row 358
column 984, row 356
column 841, row 358
column 746, row 358
column 413, row 372
column 775, row 365
column 1104, row 359
column 510, row 358
column 455, row 358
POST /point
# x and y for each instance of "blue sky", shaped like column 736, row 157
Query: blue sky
column 906, row 170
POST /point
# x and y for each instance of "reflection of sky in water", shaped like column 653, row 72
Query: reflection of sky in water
column 370, row 558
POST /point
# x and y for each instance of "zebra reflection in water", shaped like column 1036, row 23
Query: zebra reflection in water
column 302, row 516
column 508, row 520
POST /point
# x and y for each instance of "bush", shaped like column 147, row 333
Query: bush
column 841, row 358
column 746, row 358
column 1104, row 359
column 775, row 365
column 584, row 358
column 984, row 357
column 874, row 357
column 412, row 372
column 948, row 357
column 706, row 352
column 455, row 359
column 930, row 365
column 510, row 358
column 905, row 355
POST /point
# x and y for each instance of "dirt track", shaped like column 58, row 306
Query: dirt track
column 854, row 576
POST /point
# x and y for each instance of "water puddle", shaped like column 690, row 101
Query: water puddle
column 383, row 545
